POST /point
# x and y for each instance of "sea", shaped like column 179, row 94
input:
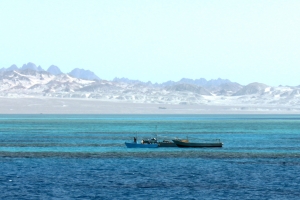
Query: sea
column 84, row 157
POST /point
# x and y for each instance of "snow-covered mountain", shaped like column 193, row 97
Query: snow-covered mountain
column 30, row 81
column 11, row 68
column 84, row 74
column 31, row 66
column 199, row 82
column 77, row 73
column 252, row 88
column 183, row 87
column 54, row 70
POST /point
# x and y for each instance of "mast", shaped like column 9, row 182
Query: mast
column 156, row 133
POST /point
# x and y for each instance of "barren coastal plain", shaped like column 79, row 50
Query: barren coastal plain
column 94, row 106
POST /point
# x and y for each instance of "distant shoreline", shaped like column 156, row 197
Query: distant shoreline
column 93, row 106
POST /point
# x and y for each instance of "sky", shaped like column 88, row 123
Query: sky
column 156, row 40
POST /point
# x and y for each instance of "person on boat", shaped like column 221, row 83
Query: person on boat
column 134, row 139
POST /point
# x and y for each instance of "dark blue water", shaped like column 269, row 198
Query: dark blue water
column 84, row 156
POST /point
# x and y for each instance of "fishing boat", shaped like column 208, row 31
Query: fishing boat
column 144, row 143
column 166, row 143
column 187, row 143
column 136, row 145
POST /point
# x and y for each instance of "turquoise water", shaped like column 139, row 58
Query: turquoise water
column 84, row 156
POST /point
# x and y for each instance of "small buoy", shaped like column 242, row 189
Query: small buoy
column 10, row 180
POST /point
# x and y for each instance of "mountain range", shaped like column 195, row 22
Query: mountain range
column 77, row 73
column 33, row 81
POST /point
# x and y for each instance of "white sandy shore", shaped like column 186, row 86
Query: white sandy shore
column 92, row 106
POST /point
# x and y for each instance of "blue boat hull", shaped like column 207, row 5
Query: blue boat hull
column 135, row 145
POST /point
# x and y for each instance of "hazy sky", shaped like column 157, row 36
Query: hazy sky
column 244, row 41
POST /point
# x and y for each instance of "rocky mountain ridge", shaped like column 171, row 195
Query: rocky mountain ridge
column 54, row 70
column 27, row 82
